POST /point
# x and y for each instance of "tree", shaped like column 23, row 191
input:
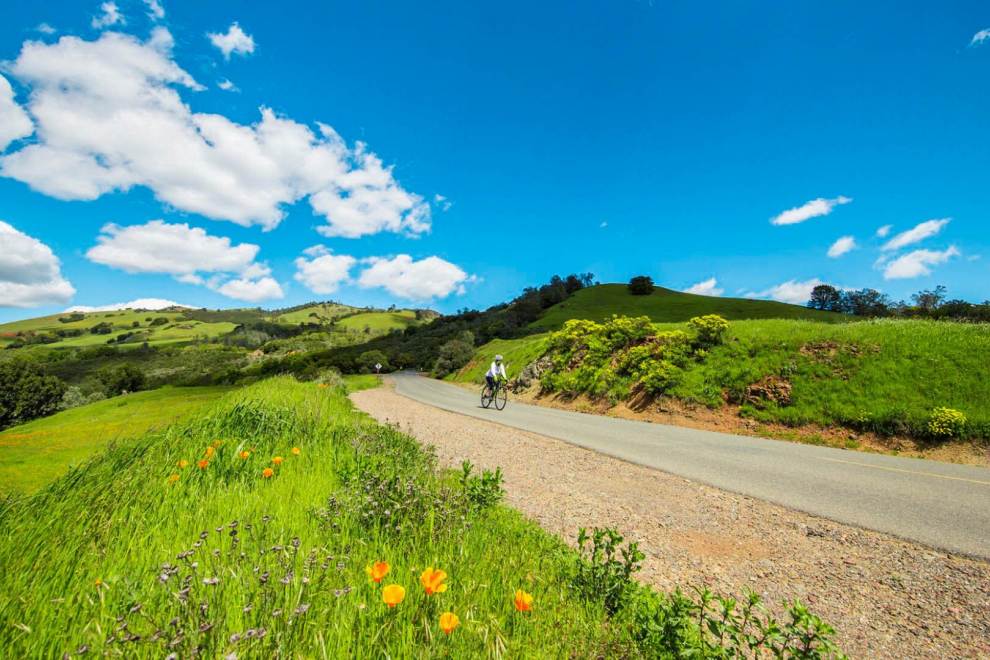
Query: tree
column 101, row 328
column 826, row 297
column 929, row 300
column 866, row 302
column 366, row 361
column 641, row 285
column 27, row 392
column 453, row 355
column 121, row 379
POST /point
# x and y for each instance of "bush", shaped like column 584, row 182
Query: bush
column 604, row 571
column 121, row 379
column 946, row 423
column 74, row 316
column 483, row 491
column 74, row 397
column 367, row 361
column 453, row 355
column 27, row 392
column 101, row 328
column 709, row 329
column 641, row 285
column 161, row 320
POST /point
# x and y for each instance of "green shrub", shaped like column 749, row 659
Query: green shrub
column 946, row 423
column 709, row 329
column 603, row 572
column 659, row 376
column 121, row 379
column 484, row 491
column 27, row 392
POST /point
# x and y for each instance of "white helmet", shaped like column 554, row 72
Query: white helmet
column 498, row 358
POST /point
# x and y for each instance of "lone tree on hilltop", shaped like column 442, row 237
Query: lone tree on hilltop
column 641, row 285
column 826, row 297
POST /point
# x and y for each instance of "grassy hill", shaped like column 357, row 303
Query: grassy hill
column 247, row 530
column 316, row 313
column 380, row 321
column 598, row 303
column 35, row 453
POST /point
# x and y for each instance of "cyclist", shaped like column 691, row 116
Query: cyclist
column 496, row 371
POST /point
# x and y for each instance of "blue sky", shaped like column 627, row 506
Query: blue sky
column 502, row 143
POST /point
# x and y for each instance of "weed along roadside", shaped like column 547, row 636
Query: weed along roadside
column 282, row 522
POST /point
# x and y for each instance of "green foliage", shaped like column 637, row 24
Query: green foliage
column 709, row 329
column 946, row 423
column 641, row 285
column 123, row 378
column 367, row 360
column 159, row 320
column 483, row 491
column 454, row 354
column 26, row 392
column 604, row 569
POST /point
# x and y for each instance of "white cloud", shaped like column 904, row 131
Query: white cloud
column 156, row 11
column 917, row 263
column 14, row 122
column 842, row 246
column 265, row 288
column 791, row 291
column 980, row 37
column 808, row 210
column 110, row 16
column 325, row 272
column 30, row 273
column 708, row 287
column 227, row 86
column 159, row 247
column 109, row 117
column 916, row 234
column 431, row 277
column 235, row 40
column 442, row 202
column 152, row 304
column 187, row 253
column 45, row 28
column 884, row 231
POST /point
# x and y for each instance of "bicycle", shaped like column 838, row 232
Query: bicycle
column 499, row 396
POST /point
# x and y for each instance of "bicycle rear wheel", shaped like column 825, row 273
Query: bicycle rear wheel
column 486, row 396
column 501, row 397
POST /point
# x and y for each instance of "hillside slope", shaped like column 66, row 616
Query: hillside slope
column 598, row 303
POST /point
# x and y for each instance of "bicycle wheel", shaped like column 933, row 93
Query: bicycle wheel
column 486, row 396
column 501, row 396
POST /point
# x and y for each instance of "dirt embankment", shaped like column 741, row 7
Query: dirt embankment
column 887, row 598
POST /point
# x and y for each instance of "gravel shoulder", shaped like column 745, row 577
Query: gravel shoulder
column 887, row 597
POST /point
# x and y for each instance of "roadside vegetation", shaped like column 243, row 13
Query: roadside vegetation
column 280, row 522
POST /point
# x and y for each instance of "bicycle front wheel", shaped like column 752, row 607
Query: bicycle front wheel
column 501, row 397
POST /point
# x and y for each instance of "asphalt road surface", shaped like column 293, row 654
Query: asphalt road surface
column 940, row 504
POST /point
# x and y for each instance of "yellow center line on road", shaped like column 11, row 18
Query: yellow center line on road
column 918, row 472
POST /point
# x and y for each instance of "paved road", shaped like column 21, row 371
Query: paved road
column 939, row 504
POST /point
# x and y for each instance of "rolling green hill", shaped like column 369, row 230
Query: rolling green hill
column 380, row 321
column 598, row 303
column 316, row 313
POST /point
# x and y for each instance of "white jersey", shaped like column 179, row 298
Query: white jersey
column 496, row 370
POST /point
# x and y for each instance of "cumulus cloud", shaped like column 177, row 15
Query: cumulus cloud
column 442, row 202
column 916, row 234
column 109, row 117
column 707, row 287
column 917, row 263
column 152, row 304
column 980, row 37
column 14, row 122
column 109, row 15
column 187, row 253
column 227, row 86
column 884, row 231
column 324, row 272
column 30, row 273
column 792, row 291
column 233, row 41
column 809, row 210
column 45, row 28
column 427, row 278
column 842, row 246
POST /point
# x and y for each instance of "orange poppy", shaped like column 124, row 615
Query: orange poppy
column 203, row 464
column 268, row 473
column 393, row 594
column 183, row 463
column 295, row 451
column 277, row 460
column 210, row 451
column 523, row 601
column 172, row 478
column 378, row 570
column 245, row 454
column 449, row 621
column 433, row 581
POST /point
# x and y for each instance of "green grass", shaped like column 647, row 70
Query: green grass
column 358, row 382
column 380, row 322
column 33, row 454
column 288, row 552
column 324, row 312
column 517, row 353
column 600, row 302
